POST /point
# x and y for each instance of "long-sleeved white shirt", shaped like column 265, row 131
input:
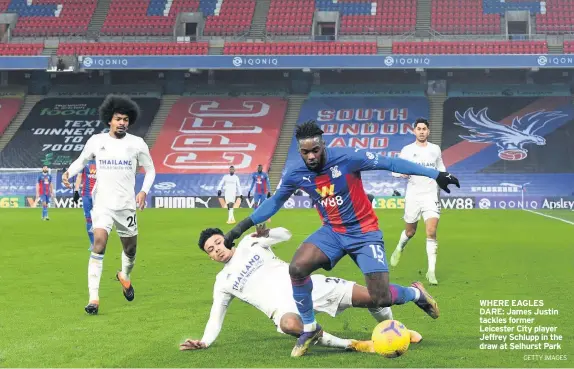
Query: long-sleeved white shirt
column 255, row 275
column 428, row 156
column 117, row 161
column 230, row 185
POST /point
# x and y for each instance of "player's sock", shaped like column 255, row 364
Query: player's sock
column 230, row 216
column 44, row 211
column 432, row 248
column 95, row 266
column 401, row 295
column 127, row 264
column 381, row 314
column 403, row 241
column 331, row 341
column 302, row 294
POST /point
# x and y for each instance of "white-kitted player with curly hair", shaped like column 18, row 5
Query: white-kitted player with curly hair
column 118, row 156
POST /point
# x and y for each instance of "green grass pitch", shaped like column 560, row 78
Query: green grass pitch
column 483, row 254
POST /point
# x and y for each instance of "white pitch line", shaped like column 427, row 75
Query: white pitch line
column 549, row 216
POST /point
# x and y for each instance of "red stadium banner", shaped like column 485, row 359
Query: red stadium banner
column 207, row 135
column 9, row 107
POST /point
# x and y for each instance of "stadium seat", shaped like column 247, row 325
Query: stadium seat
column 295, row 17
column 65, row 17
column 556, row 18
column 463, row 17
column 145, row 17
column 234, row 17
column 471, row 47
column 21, row 49
column 133, row 48
column 300, row 48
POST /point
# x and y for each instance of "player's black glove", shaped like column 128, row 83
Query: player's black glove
column 219, row 193
column 249, row 194
column 444, row 179
column 241, row 197
column 76, row 197
column 268, row 194
column 237, row 231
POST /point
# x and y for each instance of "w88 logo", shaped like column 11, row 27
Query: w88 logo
column 332, row 201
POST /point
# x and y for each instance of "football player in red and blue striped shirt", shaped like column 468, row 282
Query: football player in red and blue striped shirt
column 332, row 178
column 44, row 190
column 260, row 181
column 86, row 180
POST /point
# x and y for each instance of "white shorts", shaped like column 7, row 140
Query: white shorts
column 230, row 198
column 124, row 220
column 330, row 295
column 425, row 206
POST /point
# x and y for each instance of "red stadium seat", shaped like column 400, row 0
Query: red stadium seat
column 300, row 48
column 557, row 18
column 462, row 17
column 133, row 48
column 471, row 47
column 21, row 49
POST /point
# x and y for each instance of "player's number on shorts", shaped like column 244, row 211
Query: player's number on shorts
column 378, row 253
column 131, row 221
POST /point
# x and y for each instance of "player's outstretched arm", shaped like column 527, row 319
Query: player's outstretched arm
column 78, row 165
column 364, row 160
column 145, row 160
column 263, row 212
column 276, row 235
column 214, row 324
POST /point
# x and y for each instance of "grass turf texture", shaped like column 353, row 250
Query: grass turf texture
column 483, row 254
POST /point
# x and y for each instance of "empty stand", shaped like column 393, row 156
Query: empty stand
column 569, row 47
column 51, row 18
column 295, row 17
column 300, row 48
column 557, row 18
column 234, row 17
column 290, row 17
column 133, row 48
column 469, row 47
column 145, row 17
column 157, row 17
column 21, row 49
column 463, row 16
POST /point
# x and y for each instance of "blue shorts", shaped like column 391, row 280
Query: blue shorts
column 45, row 198
column 87, row 205
column 259, row 198
column 366, row 249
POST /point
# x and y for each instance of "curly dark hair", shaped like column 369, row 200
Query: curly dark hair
column 309, row 129
column 116, row 104
column 206, row 234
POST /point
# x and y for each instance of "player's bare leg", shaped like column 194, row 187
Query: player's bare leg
column 292, row 324
column 230, row 216
column 385, row 294
column 95, row 267
column 128, row 259
column 406, row 235
column 432, row 248
column 306, row 260
column 361, row 299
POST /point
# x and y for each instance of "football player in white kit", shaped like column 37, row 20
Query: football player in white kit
column 231, row 190
column 421, row 198
column 255, row 275
column 118, row 155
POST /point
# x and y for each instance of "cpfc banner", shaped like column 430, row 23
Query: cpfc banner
column 209, row 134
column 56, row 130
